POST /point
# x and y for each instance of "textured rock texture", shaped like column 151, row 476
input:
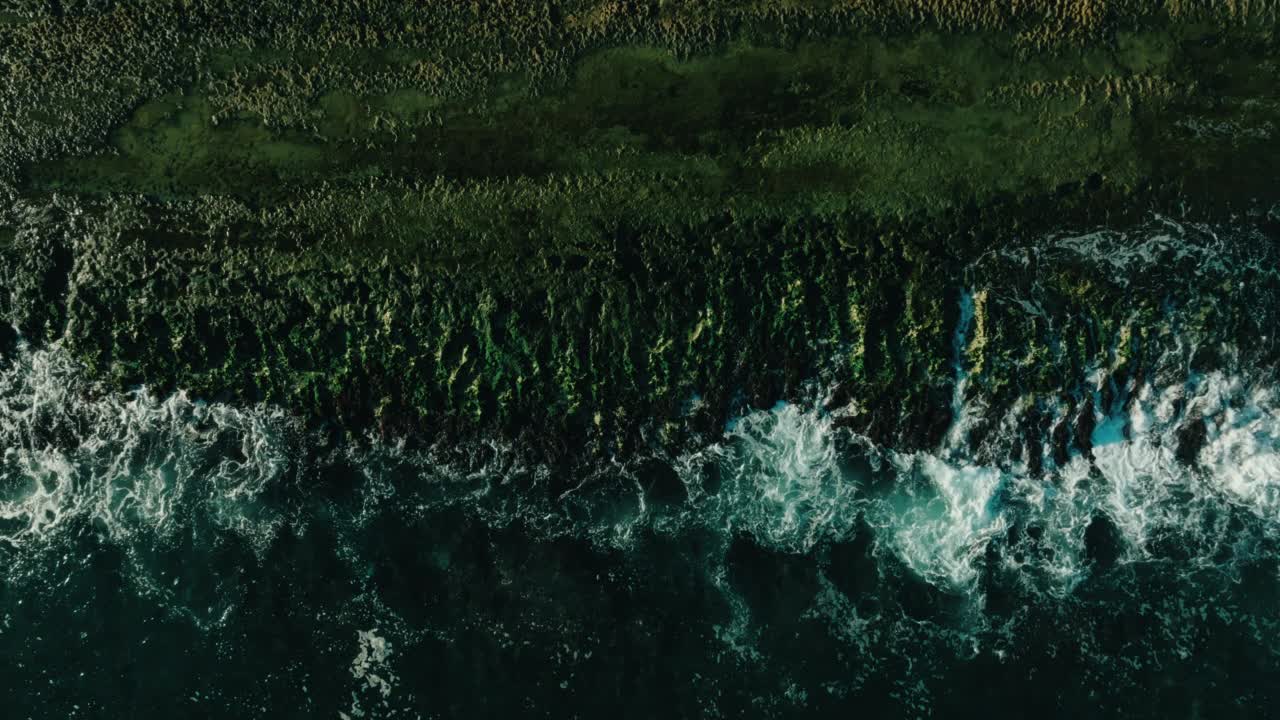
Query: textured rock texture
column 615, row 220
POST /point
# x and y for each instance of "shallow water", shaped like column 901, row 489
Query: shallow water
column 166, row 556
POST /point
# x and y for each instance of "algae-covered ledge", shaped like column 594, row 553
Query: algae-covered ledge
column 451, row 218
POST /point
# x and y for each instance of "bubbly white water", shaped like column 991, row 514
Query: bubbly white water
column 371, row 671
column 940, row 517
column 780, row 479
column 132, row 465
column 143, row 470
column 162, row 481
column 942, row 512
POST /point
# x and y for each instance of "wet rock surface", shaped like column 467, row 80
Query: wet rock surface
column 423, row 220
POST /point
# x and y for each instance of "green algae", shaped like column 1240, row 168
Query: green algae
column 885, row 128
column 426, row 219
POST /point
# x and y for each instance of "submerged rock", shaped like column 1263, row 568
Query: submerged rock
column 1191, row 438
column 1103, row 542
column 1085, row 423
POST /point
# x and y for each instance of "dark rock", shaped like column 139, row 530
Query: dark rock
column 8, row 340
column 1191, row 438
column 1084, row 426
column 1061, row 442
column 1103, row 542
column 661, row 482
column 935, row 411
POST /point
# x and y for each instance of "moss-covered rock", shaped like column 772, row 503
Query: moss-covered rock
column 577, row 216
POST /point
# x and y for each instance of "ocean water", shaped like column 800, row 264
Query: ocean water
column 162, row 556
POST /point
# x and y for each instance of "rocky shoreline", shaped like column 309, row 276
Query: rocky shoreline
column 607, row 222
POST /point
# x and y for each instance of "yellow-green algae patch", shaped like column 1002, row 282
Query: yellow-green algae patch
column 919, row 124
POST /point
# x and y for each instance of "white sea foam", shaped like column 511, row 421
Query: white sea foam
column 1125, row 256
column 372, row 673
column 780, row 479
column 940, row 516
column 134, row 466
column 144, row 470
column 783, row 483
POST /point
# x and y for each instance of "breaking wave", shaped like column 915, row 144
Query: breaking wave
column 1180, row 466
column 1175, row 473
column 135, row 467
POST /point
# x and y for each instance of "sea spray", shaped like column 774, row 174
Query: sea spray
column 136, row 465
column 146, row 469
column 890, row 561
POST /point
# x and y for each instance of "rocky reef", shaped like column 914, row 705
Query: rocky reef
column 615, row 222
column 639, row 358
